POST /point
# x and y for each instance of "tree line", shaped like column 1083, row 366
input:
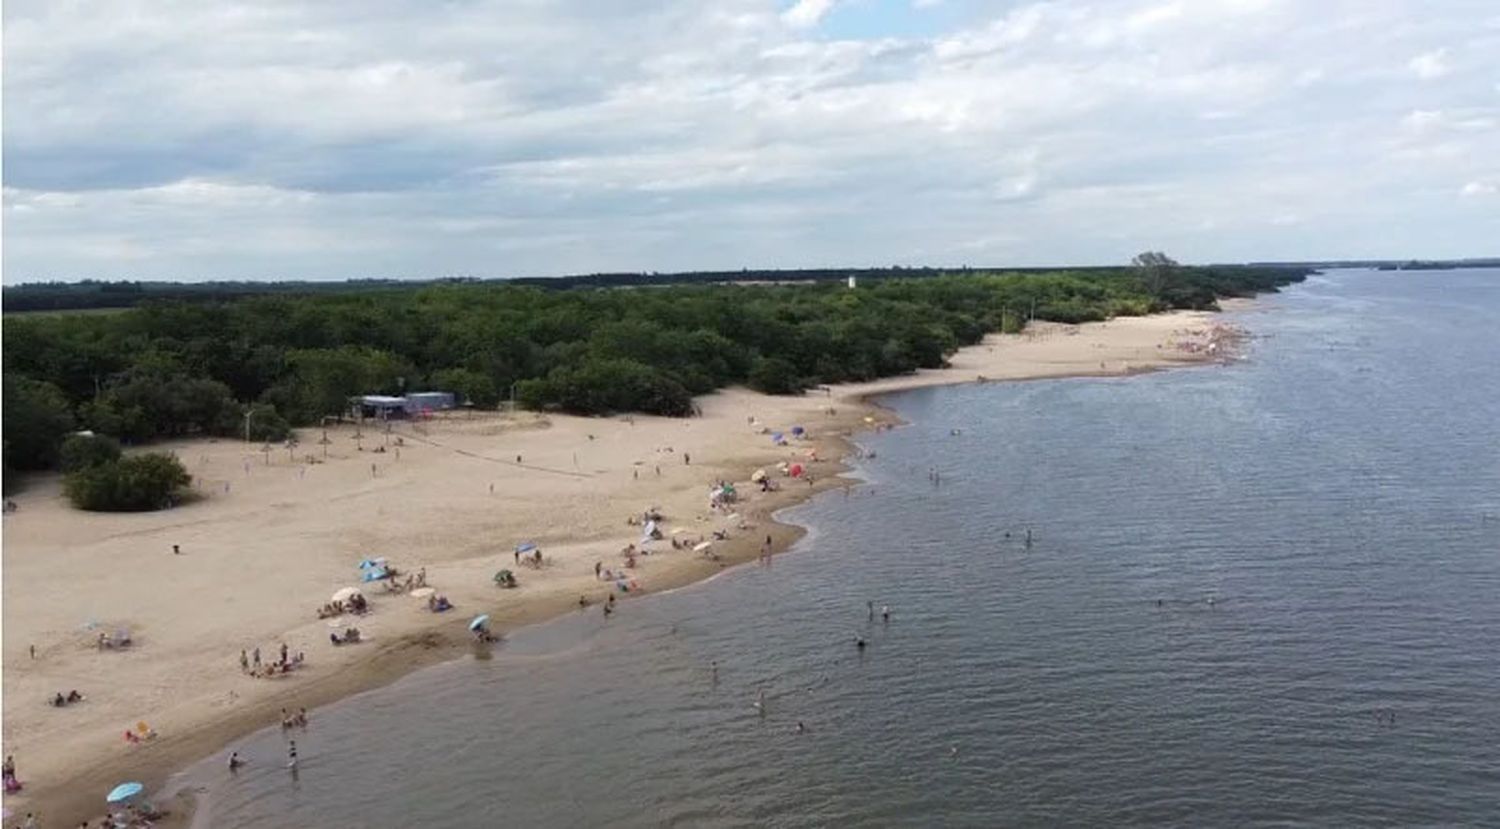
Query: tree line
column 269, row 362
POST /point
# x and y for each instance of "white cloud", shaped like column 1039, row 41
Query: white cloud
column 1430, row 65
column 806, row 13
column 386, row 137
column 1480, row 188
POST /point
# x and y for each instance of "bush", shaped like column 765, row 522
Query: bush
column 267, row 424
column 470, row 386
column 37, row 418
column 608, row 386
column 81, row 452
column 134, row 484
column 773, row 375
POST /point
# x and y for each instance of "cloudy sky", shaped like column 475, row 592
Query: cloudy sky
column 416, row 138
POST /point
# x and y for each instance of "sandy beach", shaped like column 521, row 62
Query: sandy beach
column 275, row 533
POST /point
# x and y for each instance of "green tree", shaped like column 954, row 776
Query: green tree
column 470, row 386
column 774, row 375
column 36, row 419
column 86, row 451
column 132, row 484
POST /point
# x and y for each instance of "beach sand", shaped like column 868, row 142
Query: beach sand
column 273, row 536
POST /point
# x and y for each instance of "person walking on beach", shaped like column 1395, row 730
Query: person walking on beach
column 244, row 661
column 256, row 657
column 598, row 566
column 283, row 653
column 687, row 460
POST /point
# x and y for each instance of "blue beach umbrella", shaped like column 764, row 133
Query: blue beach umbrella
column 777, row 437
column 371, row 562
column 376, row 574
column 526, row 546
column 797, row 430
column 123, row 792
column 479, row 621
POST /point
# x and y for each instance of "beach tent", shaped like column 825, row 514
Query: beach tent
column 345, row 594
column 526, row 546
column 123, row 792
column 366, row 564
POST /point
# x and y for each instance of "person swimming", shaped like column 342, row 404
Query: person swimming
column 234, row 761
column 885, row 613
column 859, row 642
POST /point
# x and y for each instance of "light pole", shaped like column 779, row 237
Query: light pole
column 248, row 413
column 513, row 398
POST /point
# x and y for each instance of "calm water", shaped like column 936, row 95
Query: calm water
column 1320, row 525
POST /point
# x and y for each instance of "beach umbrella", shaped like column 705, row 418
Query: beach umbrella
column 366, row 564
column 345, row 594
column 422, row 592
column 376, row 574
column 526, row 546
column 124, row 792
column 758, row 476
column 795, row 470
column 798, row 430
column 704, row 545
column 479, row 621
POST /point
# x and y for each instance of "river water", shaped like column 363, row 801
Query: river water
column 1265, row 593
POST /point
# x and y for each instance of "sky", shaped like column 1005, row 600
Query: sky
column 157, row 139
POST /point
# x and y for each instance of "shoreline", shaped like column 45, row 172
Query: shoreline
column 1060, row 351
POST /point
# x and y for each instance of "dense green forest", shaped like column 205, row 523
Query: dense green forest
column 173, row 368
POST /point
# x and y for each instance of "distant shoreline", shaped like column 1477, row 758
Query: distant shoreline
column 70, row 784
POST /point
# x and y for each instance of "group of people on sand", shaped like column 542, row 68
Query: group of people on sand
column 349, row 636
column 290, row 720
column 411, row 582
column 61, row 700
column 252, row 665
column 437, row 603
column 357, row 604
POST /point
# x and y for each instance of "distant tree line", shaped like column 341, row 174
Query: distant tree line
column 265, row 363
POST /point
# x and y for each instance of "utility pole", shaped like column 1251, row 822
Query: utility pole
column 248, row 413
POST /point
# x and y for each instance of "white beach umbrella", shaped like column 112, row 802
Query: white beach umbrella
column 345, row 594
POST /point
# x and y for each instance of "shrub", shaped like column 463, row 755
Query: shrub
column 134, row 484
column 86, row 451
column 774, row 375
column 267, row 424
column 37, row 418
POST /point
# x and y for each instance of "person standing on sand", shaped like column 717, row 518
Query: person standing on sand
column 283, row 653
column 33, row 651
column 244, row 661
column 256, row 657
column 518, row 556
column 687, row 460
column 598, row 565
column 176, row 550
